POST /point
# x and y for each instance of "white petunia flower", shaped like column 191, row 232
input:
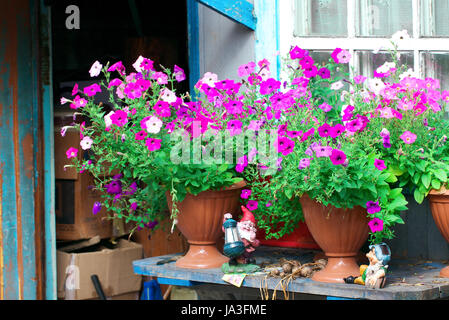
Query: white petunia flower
column 95, row 69
column 400, row 35
column 86, row 143
column 138, row 63
column 376, row 85
column 153, row 125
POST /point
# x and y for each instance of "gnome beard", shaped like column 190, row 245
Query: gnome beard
column 247, row 231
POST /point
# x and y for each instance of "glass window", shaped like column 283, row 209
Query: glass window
column 436, row 65
column 321, row 18
column 370, row 62
column 382, row 18
column 434, row 18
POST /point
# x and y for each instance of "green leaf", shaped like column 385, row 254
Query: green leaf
column 419, row 196
column 436, row 184
column 441, row 174
column 421, row 166
column 426, row 179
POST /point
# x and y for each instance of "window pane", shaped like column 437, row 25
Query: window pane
column 434, row 21
column 384, row 17
column 369, row 62
column 321, row 18
column 436, row 65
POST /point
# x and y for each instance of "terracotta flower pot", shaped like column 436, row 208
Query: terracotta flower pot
column 439, row 205
column 200, row 220
column 340, row 233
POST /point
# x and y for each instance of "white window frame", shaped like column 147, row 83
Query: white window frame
column 353, row 43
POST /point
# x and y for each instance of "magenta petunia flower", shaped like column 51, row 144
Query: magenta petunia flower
column 141, row 135
column 75, row 89
column 234, row 127
column 96, row 207
column 294, row 134
column 92, row 90
column 324, row 73
column 119, row 118
column 344, row 56
column 114, row 187
column 310, row 71
column 252, row 205
column 372, row 207
column 376, row 225
column 162, row 108
column 298, row 53
column 245, row 194
column 335, row 53
column 153, row 144
column 308, row 134
column 408, row 137
column 336, row 130
column 359, row 79
column 380, row 164
column 269, row 86
column 337, row 157
column 72, row 153
column 133, row 206
column 324, row 130
column 118, row 66
column 115, row 83
column 285, row 145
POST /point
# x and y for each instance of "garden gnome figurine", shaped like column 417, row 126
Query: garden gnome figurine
column 374, row 274
column 247, row 231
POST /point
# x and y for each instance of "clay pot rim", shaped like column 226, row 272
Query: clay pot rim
column 330, row 206
column 442, row 192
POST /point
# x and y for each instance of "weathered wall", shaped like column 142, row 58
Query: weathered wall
column 19, row 130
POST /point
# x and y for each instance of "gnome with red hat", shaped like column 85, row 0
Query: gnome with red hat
column 247, row 231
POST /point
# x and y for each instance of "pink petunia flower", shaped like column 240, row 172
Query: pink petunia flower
column 119, row 118
column 304, row 163
column 153, row 144
column 325, row 107
column 92, row 90
column 72, row 153
column 408, row 137
column 246, row 69
column 179, row 74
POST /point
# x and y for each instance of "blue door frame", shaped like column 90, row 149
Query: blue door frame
column 261, row 17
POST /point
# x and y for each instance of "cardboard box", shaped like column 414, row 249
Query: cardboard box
column 112, row 266
column 75, row 199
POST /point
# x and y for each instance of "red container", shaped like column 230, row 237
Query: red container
column 299, row 238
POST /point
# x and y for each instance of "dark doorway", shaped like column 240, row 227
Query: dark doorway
column 112, row 31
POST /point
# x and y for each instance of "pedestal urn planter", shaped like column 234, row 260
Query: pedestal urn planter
column 200, row 220
column 340, row 233
column 439, row 205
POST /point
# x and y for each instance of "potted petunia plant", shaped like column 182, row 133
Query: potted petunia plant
column 410, row 122
column 146, row 153
column 333, row 167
